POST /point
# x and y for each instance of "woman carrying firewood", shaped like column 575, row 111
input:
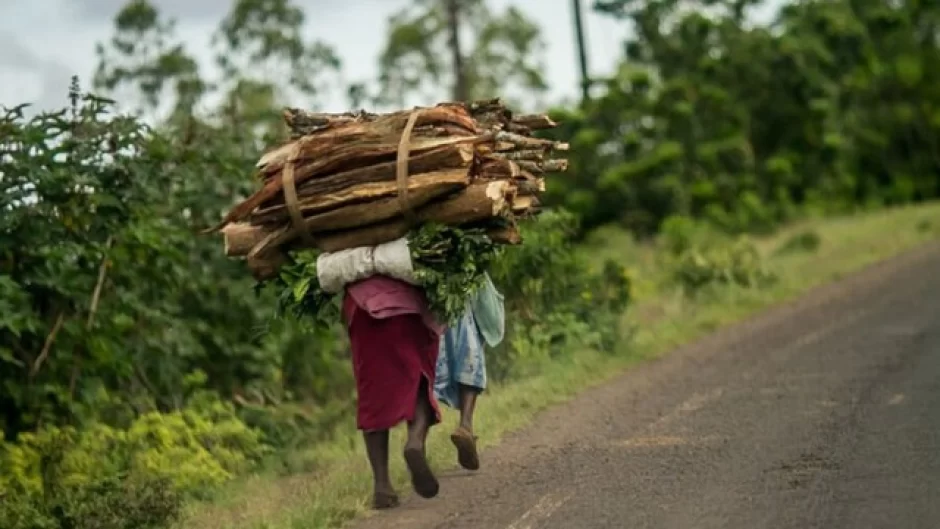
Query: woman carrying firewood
column 461, row 365
column 394, row 341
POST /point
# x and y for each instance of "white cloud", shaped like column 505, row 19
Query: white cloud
column 30, row 77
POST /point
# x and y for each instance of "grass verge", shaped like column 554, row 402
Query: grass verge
column 662, row 317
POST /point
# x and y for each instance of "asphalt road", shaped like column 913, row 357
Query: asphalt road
column 824, row 413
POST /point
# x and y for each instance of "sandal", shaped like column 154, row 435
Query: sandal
column 422, row 478
column 384, row 500
column 466, row 444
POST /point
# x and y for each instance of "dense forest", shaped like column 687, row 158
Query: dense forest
column 140, row 368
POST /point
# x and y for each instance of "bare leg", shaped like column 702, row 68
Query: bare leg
column 463, row 437
column 468, row 401
column 422, row 479
column 384, row 495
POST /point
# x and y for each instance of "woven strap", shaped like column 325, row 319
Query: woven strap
column 290, row 196
column 401, row 167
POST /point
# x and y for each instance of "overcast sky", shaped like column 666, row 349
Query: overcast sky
column 44, row 42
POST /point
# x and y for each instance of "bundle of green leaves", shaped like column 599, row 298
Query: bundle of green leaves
column 449, row 263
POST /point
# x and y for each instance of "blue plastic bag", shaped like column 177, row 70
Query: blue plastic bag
column 489, row 312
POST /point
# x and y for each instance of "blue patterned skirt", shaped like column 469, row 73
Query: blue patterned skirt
column 460, row 360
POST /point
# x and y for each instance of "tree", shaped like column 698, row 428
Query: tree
column 267, row 62
column 143, row 60
column 505, row 52
column 204, row 160
column 831, row 107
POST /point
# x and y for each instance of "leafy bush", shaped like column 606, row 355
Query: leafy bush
column 680, row 233
column 110, row 503
column 557, row 300
column 804, row 241
column 99, row 476
column 738, row 263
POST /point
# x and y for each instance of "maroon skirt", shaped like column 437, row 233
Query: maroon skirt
column 390, row 357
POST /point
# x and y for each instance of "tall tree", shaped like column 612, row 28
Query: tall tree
column 144, row 62
column 580, row 42
column 831, row 106
column 198, row 168
column 266, row 61
column 461, row 87
column 505, row 52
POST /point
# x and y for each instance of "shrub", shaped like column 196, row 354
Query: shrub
column 103, row 477
column 557, row 300
column 108, row 503
column 804, row 241
column 738, row 263
column 680, row 234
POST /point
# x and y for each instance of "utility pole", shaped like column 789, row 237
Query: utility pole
column 461, row 89
column 582, row 52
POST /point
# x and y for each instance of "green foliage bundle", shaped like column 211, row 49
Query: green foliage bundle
column 448, row 262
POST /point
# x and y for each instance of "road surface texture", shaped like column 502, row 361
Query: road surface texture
column 823, row 413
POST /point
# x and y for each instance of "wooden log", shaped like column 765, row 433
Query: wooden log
column 240, row 237
column 534, row 121
column 505, row 235
column 364, row 236
column 519, row 155
column 531, row 167
column 317, row 158
column 480, row 201
column 350, row 141
column 438, row 159
column 558, row 165
column 490, row 112
column 274, row 185
column 422, row 187
column 304, row 122
column 356, row 215
column 386, row 128
column 528, row 142
column 497, row 168
column 521, row 204
column 532, row 186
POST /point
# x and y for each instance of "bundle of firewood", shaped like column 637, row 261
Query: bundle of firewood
column 362, row 179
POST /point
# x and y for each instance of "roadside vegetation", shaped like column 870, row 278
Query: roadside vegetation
column 144, row 383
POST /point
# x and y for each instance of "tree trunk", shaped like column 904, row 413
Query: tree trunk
column 582, row 51
column 461, row 87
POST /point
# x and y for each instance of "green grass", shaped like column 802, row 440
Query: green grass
column 662, row 318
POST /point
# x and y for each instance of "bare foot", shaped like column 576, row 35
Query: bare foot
column 422, row 478
column 466, row 444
